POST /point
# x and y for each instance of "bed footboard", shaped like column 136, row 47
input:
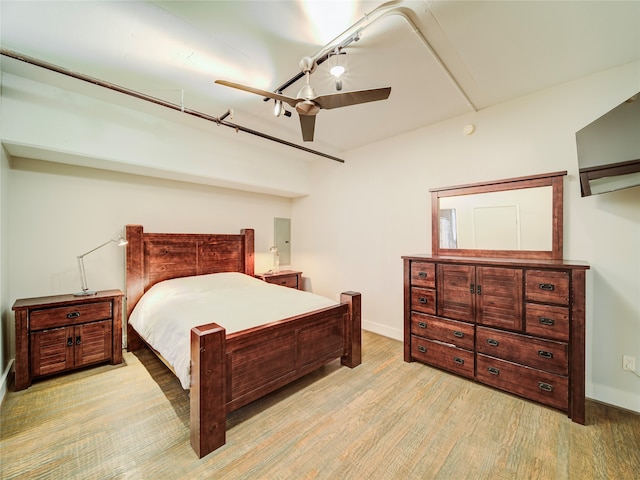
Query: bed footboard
column 230, row 371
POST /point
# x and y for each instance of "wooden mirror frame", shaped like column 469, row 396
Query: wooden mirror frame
column 554, row 180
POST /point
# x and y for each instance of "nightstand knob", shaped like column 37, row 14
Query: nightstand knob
column 78, row 340
column 70, row 342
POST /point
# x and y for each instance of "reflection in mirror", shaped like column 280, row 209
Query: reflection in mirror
column 507, row 220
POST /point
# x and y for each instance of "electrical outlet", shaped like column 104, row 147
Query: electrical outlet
column 629, row 363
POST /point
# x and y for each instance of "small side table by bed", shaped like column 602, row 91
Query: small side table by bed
column 65, row 332
column 288, row 278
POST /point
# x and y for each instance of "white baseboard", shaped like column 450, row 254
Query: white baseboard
column 4, row 385
column 613, row 396
column 383, row 330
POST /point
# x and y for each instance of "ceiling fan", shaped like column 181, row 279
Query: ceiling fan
column 308, row 103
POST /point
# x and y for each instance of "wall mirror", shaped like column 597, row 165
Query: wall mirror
column 516, row 217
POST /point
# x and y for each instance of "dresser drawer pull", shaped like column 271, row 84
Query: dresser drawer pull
column 422, row 349
column 545, row 386
column 472, row 289
column 70, row 342
column 492, row 342
column 546, row 286
column 547, row 321
column 458, row 360
column 73, row 315
column 422, row 274
column 458, row 334
column 78, row 340
column 479, row 289
column 493, row 371
column 422, row 300
column 422, row 324
column 544, row 354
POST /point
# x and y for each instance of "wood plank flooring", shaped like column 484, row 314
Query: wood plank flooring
column 385, row 419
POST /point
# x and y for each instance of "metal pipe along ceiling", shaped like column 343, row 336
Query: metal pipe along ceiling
column 157, row 101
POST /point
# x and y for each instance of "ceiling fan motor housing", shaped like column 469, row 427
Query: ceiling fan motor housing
column 307, row 107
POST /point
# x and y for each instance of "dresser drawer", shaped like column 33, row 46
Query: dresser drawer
column 423, row 274
column 444, row 356
column 547, row 286
column 460, row 334
column 69, row 315
column 543, row 387
column 423, row 300
column 546, row 355
column 547, row 321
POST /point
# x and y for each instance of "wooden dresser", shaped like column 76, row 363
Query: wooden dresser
column 64, row 332
column 514, row 324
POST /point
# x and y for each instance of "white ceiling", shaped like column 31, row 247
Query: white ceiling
column 441, row 58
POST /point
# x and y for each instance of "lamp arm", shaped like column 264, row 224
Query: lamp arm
column 83, row 276
column 99, row 246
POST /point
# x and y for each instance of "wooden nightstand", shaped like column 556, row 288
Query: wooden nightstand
column 288, row 278
column 64, row 332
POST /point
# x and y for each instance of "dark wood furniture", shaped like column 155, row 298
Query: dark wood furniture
column 514, row 324
column 287, row 278
column 511, row 319
column 230, row 371
column 59, row 333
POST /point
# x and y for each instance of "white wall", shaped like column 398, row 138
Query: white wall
column 362, row 217
column 6, row 318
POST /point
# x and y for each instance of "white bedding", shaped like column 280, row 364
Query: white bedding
column 168, row 311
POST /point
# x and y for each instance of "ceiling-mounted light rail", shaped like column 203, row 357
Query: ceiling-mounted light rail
column 352, row 34
column 157, row 101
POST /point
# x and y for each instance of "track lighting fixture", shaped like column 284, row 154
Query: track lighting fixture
column 337, row 70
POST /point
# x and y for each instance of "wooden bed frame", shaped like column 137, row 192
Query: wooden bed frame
column 230, row 371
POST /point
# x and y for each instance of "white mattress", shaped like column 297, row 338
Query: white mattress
column 168, row 311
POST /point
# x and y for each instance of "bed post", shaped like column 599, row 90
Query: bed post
column 134, row 279
column 208, row 395
column 353, row 334
column 248, row 250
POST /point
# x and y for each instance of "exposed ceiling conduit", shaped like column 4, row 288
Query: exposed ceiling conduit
column 352, row 34
column 180, row 108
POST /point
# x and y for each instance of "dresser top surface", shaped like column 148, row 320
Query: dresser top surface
column 524, row 262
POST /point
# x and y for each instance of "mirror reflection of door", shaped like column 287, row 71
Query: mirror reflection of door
column 496, row 227
column 282, row 239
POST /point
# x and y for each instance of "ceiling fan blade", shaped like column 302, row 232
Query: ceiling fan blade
column 308, row 125
column 344, row 99
column 288, row 100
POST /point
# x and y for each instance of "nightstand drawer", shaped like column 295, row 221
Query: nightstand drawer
column 290, row 281
column 69, row 315
column 285, row 278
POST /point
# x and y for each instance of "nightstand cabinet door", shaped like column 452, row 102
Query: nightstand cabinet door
column 52, row 351
column 92, row 343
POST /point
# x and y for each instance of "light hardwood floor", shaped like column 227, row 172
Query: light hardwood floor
column 385, row 419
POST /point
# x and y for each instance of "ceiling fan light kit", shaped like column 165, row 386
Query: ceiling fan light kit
column 308, row 103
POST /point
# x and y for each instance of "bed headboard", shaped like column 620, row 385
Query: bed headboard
column 154, row 257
